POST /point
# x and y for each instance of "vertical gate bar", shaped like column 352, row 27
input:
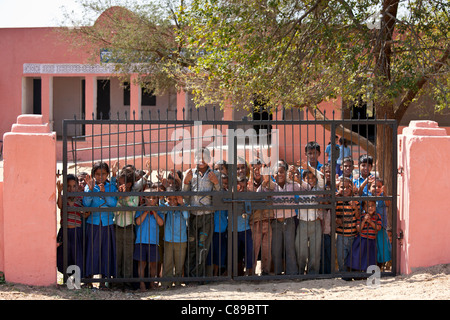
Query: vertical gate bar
column 333, row 196
column 394, row 198
column 64, row 208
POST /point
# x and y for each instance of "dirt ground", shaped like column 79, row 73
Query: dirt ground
column 431, row 283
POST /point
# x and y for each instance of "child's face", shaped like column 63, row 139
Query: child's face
column 311, row 179
column 128, row 185
column 370, row 207
column 81, row 182
column 242, row 186
column 221, row 168
column 257, row 171
column 365, row 169
column 172, row 201
column 241, row 170
column 280, row 175
column 347, row 169
column 100, row 176
column 200, row 161
column 151, row 200
column 225, row 183
column 376, row 188
column 327, row 173
column 72, row 186
column 345, row 188
column 312, row 155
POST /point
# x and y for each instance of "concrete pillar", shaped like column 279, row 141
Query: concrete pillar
column 91, row 97
column 135, row 98
column 47, row 99
column 29, row 202
column 423, row 187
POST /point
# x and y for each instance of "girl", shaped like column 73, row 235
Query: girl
column 74, row 227
column 100, row 235
column 147, row 238
column 364, row 250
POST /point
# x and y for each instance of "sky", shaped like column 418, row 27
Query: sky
column 35, row 13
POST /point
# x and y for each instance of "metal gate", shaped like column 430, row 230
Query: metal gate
column 276, row 212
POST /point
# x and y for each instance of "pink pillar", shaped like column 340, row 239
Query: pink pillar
column 91, row 97
column 2, row 243
column 424, row 216
column 29, row 202
column 181, row 103
column 47, row 99
column 135, row 98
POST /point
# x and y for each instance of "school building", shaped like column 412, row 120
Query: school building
column 42, row 74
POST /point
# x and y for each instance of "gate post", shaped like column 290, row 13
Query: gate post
column 424, row 214
column 29, row 202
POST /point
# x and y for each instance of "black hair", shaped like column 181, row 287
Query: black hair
column 71, row 176
column 100, row 165
column 204, row 152
column 305, row 172
column 312, row 145
column 343, row 141
column 366, row 159
column 128, row 174
column 348, row 159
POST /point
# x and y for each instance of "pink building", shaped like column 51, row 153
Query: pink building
column 42, row 75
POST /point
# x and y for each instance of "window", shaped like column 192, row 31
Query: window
column 147, row 98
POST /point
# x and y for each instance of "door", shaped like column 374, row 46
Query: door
column 103, row 99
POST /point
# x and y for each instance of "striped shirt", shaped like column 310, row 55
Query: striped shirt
column 368, row 231
column 74, row 217
column 347, row 214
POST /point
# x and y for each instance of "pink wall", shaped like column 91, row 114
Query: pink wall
column 424, row 214
column 29, row 202
column 2, row 241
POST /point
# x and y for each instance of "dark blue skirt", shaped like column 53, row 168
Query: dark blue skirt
column 363, row 254
column 100, row 250
column 74, row 249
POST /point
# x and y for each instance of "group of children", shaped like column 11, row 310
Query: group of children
column 106, row 242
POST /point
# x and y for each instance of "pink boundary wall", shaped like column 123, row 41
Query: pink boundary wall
column 29, row 203
column 423, row 187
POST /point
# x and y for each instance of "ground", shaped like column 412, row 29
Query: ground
column 431, row 283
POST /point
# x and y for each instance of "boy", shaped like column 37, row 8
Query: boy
column 283, row 226
column 347, row 215
column 244, row 236
column 260, row 223
column 175, row 238
column 217, row 255
column 201, row 223
column 147, row 238
column 309, row 230
column 312, row 153
column 124, row 221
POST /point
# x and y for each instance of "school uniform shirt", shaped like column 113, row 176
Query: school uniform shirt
column 98, row 201
column 358, row 182
column 74, row 217
column 220, row 220
column 126, row 218
column 148, row 231
column 175, row 229
column 201, row 182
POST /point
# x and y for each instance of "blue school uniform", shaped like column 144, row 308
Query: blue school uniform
column 175, row 229
column 100, row 233
column 147, row 238
column 384, row 246
column 218, row 252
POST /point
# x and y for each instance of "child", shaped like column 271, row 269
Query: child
column 175, row 238
column 325, row 250
column 100, row 233
column 364, row 250
column 283, row 224
column 201, row 221
column 218, row 252
column 309, row 230
column 74, row 227
column 384, row 246
column 365, row 167
column 147, row 238
column 312, row 153
column 260, row 223
column 244, row 236
column 344, row 152
column 347, row 215
column 125, row 227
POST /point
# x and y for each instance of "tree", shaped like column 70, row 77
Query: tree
column 299, row 53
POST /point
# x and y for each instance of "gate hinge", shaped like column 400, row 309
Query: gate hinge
column 400, row 235
column 400, row 171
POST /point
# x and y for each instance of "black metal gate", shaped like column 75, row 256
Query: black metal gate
column 273, row 209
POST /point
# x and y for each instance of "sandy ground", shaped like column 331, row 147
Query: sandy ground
column 431, row 283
